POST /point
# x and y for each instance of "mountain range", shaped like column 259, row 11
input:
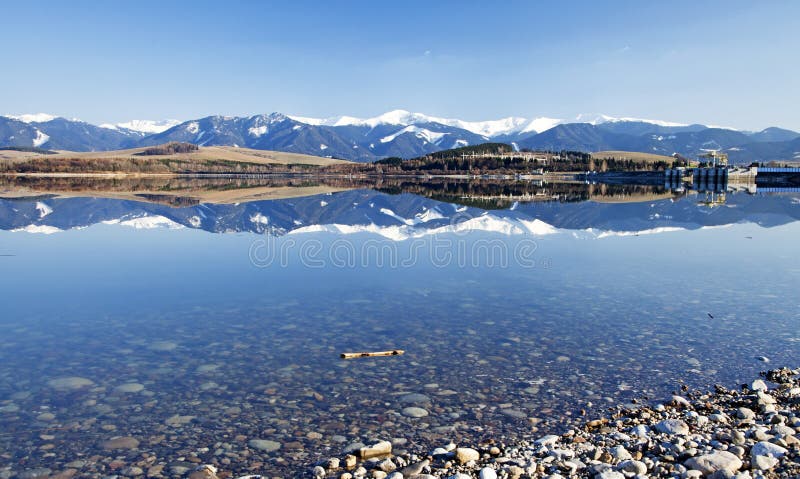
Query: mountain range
column 402, row 134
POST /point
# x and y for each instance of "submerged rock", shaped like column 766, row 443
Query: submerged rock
column 129, row 388
column 70, row 383
column 265, row 445
column 124, row 442
column 415, row 412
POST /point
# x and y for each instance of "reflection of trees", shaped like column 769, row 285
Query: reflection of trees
column 498, row 194
column 481, row 193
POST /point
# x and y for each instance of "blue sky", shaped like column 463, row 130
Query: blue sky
column 725, row 63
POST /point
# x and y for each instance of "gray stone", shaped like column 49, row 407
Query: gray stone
column 39, row 472
column 634, row 467
column 515, row 413
column 716, row 461
column 415, row 398
column 125, row 442
column 415, row 412
column 415, row 468
column 133, row 471
column 353, row 447
column 763, row 463
column 69, row 383
column 129, row 388
column 264, row 445
column 745, row 413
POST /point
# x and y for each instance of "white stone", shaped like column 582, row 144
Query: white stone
column 758, row 385
column 716, row 461
column 635, row 467
column 487, row 473
column 763, row 463
column 609, row 474
column 620, row 453
column 672, row 426
column 415, row 412
column 765, row 448
column 548, row 440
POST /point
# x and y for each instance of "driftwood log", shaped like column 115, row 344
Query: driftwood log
column 393, row 352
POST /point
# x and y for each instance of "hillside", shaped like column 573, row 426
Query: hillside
column 210, row 159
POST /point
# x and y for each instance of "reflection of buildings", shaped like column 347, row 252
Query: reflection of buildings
column 713, row 198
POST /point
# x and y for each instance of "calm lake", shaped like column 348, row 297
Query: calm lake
column 145, row 332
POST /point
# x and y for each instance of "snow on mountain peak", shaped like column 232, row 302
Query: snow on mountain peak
column 538, row 125
column 422, row 133
column 406, row 118
column 33, row 117
column 143, row 126
column 599, row 118
column 40, row 139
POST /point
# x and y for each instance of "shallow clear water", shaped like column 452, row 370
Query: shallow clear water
column 511, row 327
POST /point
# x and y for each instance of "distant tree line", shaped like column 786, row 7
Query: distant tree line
column 169, row 149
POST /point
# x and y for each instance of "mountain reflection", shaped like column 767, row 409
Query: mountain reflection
column 412, row 206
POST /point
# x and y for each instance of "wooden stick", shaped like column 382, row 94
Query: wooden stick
column 394, row 352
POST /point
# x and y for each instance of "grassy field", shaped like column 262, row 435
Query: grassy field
column 217, row 159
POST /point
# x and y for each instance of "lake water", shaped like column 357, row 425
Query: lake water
column 136, row 333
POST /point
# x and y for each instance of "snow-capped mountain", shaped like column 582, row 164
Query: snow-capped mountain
column 600, row 118
column 400, row 133
column 489, row 129
column 33, row 117
column 143, row 126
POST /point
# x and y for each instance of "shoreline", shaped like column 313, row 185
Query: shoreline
column 748, row 433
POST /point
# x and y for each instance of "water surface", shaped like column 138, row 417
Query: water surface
column 203, row 326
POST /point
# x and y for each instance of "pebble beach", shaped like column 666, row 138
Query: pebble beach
column 747, row 432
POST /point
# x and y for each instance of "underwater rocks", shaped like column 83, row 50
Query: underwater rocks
column 69, row 383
